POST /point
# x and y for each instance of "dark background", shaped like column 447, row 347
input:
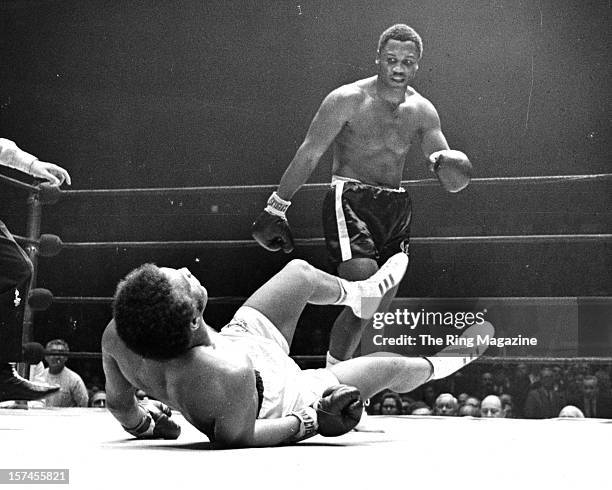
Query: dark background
column 192, row 93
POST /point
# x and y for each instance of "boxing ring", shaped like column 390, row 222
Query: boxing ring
column 429, row 452
column 508, row 453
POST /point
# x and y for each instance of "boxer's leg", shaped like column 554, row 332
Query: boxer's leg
column 347, row 329
column 283, row 298
column 375, row 372
column 15, row 275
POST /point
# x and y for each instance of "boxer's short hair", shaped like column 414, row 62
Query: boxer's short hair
column 401, row 32
column 151, row 316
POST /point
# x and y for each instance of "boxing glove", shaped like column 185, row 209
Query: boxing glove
column 452, row 168
column 156, row 423
column 271, row 229
column 339, row 410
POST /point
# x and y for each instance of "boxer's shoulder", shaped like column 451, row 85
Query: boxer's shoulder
column 110, row 337
column 350, row 95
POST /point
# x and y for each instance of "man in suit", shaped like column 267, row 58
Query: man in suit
column 592, row 402
column 544, row 402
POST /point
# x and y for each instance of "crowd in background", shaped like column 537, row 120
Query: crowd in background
column 534, row 391
column 511, row 390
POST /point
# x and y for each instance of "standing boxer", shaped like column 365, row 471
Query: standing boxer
column 371, row 125
column 15, row 275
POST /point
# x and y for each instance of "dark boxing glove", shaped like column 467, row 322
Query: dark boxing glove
column 271, row 229
column 452, row 168
column 339, row 410
column 155, row 423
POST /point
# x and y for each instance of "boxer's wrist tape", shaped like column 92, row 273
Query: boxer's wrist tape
column 18, row 159
column 308, row 423
column 277, row 206
column 144, row 428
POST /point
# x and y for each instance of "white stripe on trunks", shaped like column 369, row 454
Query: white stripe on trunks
column 343, row 236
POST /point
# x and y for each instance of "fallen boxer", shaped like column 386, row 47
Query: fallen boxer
column 239, row 386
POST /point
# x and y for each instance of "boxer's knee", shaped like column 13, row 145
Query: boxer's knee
column 357, row 269
column 299, row 266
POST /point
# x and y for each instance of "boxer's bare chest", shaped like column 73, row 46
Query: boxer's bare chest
column 378, row 127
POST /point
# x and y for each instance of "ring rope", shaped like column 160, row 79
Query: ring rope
column 606, row 237
column 320, row 359
column 537, row 179
column 18, row 183
column 324, row 186
column 109, row 299
column 495, row 359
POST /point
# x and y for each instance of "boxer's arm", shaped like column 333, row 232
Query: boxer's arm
column 334, row 112
column 120, row 394
column 13, row 157
column 432, row 138
column 236, row 423
column 451, row 167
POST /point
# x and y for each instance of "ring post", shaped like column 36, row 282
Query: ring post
column 31, row 248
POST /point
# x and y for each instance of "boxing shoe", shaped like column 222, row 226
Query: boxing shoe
column 466, row 350
column 364, row 297
column 14, row 387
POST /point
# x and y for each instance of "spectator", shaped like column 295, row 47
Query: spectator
column 570, row 411
column 99, row 400
column 485, row 386
column 519, row 387
column 507, row 406
column 420, row 408
column 469, row 411
column 491, row 407
column 391, row 404
column 72, row 391
column 462, row 398
column 446, row 405
column 593, row 403
column 543, row 402
column 429, row 394
column 407, row 400
column 558, row 381
column 501, row 384
column 473, row 401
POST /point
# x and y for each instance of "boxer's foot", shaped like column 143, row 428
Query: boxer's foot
column 455, row 357
column 14, row 387
column 364, row 297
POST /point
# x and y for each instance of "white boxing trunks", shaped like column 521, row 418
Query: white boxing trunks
column 286, row 386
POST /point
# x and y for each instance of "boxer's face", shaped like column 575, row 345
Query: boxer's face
column 398, row 63
column 183, row 279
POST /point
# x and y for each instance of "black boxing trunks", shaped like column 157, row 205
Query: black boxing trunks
column 365, row 221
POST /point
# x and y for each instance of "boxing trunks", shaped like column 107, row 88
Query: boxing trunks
column 286, row 387
column 365, row 221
